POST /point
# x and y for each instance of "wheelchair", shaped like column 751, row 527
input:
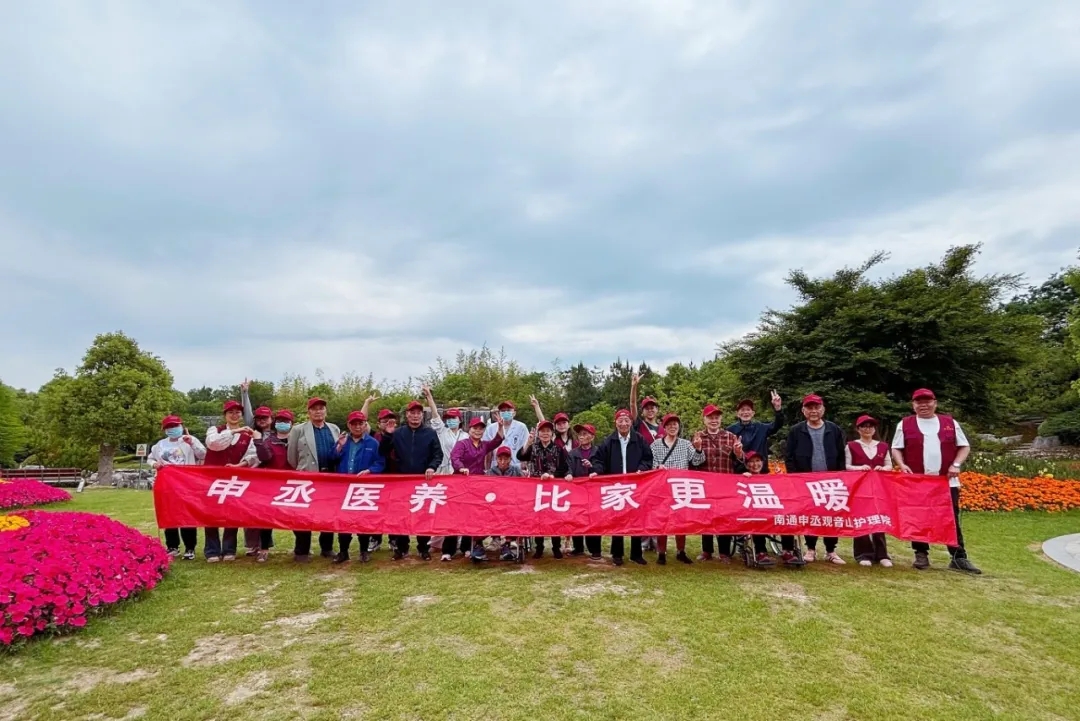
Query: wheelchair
column 744, row 546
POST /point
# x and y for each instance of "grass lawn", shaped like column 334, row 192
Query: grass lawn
column 570, row 639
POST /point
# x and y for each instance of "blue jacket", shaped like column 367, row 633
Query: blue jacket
column 415, row 450
column 755, row 436
column 356, row 456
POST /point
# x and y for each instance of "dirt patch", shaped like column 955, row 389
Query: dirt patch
column 377, row 643
column 90, row 643
column 336, row 598
column 522, row 571
column 302, row 621
column 250, row 687
column 7, row 689
column 457, row 645
column 219, row 648
column 669, row 658
column 601, row 588
column 417, row 601
column 781, row 595
column 13, row 710
column 88, row 679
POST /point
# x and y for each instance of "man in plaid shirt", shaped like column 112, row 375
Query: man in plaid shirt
column 721, row 448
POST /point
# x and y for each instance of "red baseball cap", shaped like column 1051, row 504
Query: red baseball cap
column 314, row 402
column 647, row 400
column 414, row 405
column 923, row 393
column 452, row 413
column 670, row 417
column 621, row 413
column 812, row 399
column 545, row 424
column 284, row 413
column 231, row 406
column 356, row 416
column 710, row 410
column 504, row 451
column 865, row 419
column 751, row 454
column 585, row 427
column 560, row 417
column 477, row 421
column 386, row 413
column 507, row 404
column 263, row 412
column 168, row 421
column 745, row 402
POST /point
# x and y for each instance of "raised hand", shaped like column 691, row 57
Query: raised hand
column 245, row 385
column 341, row 441
column 738, row 447
column 426, row 390
column 533, row 402
column 373, row 397
column 776, row 402
column 635, row 379
column 531, row 439
column 697, row 441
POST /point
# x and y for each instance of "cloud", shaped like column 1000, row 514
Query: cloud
column 255, row 189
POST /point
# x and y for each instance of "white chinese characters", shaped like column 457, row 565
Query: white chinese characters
column 223, row 488
column 618, row 496
column 832, row 494
column 555, row 499
column 294, row 494
column 759, row 495
column 685, row 491
column 433, row 496
column 362, row 497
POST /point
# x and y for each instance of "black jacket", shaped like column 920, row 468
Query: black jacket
column 800, row 449
column 414, row 451
column 607, row 457
column 578, row 469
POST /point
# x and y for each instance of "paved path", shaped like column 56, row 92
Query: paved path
column 1065, row 550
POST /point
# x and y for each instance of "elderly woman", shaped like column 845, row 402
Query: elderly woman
column 670, row 451
column 869, row 454
column 547, row 460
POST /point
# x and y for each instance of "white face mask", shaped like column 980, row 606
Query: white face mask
column 452, row 423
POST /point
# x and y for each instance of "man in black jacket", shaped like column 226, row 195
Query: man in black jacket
column 816, row 445
column 755, row 434
column 624, row 451
column 417, row 450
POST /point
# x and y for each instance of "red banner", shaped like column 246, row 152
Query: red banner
column 662, row 502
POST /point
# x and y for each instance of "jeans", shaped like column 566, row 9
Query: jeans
column 189, row 536
column 225, row 545
column 958, row 550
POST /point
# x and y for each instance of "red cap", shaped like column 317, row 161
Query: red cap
column 621, row 413
column 504, row 451
column 923, row 394
column 171, row 421
column 386, row 413
column 710, row 410
column 749, row 455
column 545, row 424
column 452, row 413
column 414, row 405
column 507, row 404
column 585, row 427
column 477, row 421
column 230, row 406
column 314, row 402
column 745, row 402
column 560, row 417
column 812, row 399
column 284, row 413
column 647, row 400
column 263, row 412
column 356, row 416
column 670, row 417
column 865, row 419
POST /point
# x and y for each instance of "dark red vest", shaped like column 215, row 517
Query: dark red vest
column 232, row 454
column 913, row 443
column 647, row 433
column 566, row 445
column 859, row 457
column 279, row 449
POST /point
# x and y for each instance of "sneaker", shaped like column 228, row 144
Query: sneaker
column 722, row 558
column 478, row 554
column 398, row 554
column 189, row 555
column 507, row 555
column 538, row 554
column 790, row 558
column 922, row 560
column 374, row 546
column 617, row 560
column 446, row 558
column 173, row 552
column 213, row 559
column 704, row 556
column 364, row 556
column 425, row 555
column 885, row 563
column 683, row 558
column 597, row 557
column 764, row 560
column 834, row 557
column 251, row 552
column 865, row 562
column 326, row 554
column 962, row 564
column 810, row 556
column 576, row 553
column 229, row 557
column 340, row 558
column 262, row 557
column 301, row 559
column 661, row 559
column 639, row 560
column 556, row 552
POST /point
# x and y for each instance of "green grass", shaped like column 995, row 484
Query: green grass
column 574, row 640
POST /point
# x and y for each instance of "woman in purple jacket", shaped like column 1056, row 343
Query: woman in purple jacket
column 467, row 458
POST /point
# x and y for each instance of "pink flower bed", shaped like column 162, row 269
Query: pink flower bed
column 23, row 492
column 64, row 567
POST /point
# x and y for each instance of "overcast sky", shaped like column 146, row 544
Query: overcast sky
column 269, row 187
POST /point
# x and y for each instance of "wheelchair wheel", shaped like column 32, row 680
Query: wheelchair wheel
column 749, row 558
column 773, row 545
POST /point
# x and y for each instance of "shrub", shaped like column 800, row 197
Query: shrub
column 23, row 492
column 1065, row 426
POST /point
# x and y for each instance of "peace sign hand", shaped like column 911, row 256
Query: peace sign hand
column 776, row 402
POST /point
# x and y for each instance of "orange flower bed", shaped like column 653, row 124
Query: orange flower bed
column 1005, row 493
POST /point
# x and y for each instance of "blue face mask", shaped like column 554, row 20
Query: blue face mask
column 282, row 427
column 507, row 415
column 452, row 423
column 174, row 432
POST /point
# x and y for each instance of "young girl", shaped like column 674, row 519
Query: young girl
column 868, row 454
column 177, row 448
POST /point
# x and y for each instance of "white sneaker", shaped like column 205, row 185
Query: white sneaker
column 446, row 557
column 810, row 556
column 885, row 563
column 704, row 557
column 864, row 562
column 834, row 557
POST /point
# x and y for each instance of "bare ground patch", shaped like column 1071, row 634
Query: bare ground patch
column 87, row 679
column 418, row 601
column 586, row 591
column 219, row 648
column 669, row 658
column 780, row 596
column 248, row 688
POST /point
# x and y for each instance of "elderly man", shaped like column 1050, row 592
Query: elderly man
column 755, row 434
column 624, row 451
column 228, row 445
column 816, row 445
column 356, row 454
column 418, row 451
column 722, row 450
column 514, row 432
column 934, row 444
column 311, row 449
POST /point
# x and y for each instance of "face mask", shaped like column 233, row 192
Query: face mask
column 174, row 432
column 507, row 415
column 282, row 427
column 452, row 423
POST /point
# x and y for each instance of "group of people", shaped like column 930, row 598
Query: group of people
column 926, row 442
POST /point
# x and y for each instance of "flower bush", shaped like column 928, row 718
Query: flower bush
column 23, row 492
column 12, row 523
column 61, row 568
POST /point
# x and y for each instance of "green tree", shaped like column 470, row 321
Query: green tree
column 118, row 395
column 601, row 416
column 580, row 388
column 12, row 430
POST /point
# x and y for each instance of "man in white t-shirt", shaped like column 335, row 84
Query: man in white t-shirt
column 934, row 444
column 515, row 433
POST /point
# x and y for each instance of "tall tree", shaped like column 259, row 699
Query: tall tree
column 117, row 396
column 12, row 430
column 581, row 389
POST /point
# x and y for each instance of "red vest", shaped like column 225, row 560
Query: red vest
column 647, row 433
column 566, row 445
column 232, row 454
column 279, row 449
column 913, row 443
column 859, row 457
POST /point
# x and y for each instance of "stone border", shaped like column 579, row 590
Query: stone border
column 1065, row 550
